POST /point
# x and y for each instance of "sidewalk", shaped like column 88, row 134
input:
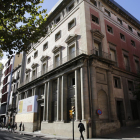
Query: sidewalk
column 125, row 133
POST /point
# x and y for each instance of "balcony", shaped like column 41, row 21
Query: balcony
column 101, row 54
column 53, row 66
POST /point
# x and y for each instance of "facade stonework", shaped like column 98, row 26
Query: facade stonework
column 89, row 59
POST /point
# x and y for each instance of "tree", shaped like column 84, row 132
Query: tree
column 21, row 23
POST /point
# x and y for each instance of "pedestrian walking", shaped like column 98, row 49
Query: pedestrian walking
column 81, row 129
column 20, row 126
column 13, row 128
column 15, row 125
column 9, row 126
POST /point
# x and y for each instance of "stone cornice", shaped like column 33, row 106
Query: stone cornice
column 70, row 38
column 56, row 49
column 34, row 65
column 97, row 33
column 43, row 58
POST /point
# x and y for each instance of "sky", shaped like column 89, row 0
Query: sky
column 132, row 6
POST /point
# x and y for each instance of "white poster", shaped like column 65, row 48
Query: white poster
column 28, row 105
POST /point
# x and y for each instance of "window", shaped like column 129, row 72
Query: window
column 113, row 55
column 44, row 68
column 29, row 60
column 35, row 54
column 133, row 43
column 72, row 51
column 137, row 66
column 58, row 36
column 57, row 60
column 119, row 21
column 73, row 81
column 117, row 83
column 122, row 36
column 57, row 20
column 107, row 13
column 94, row 2
column 71, row 24
column 130, row 86
column 96, row 48
column 45, row 46
column 95, row 19
column 33, row 74
column 109, row 29
column 27, row 77
column 126, row 62
column 138, row 34
column 71, row 7
column 130, row 28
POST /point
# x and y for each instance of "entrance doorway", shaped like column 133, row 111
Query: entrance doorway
column 134, row 109
column 120, row 112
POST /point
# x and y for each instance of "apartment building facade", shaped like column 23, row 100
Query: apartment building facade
column 11, row 64
column 89, row 59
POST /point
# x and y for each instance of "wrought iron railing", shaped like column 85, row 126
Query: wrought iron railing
column 55, row 65
column 102, row 54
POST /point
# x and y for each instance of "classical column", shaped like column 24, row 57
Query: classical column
column 26, row 94
column 77, row 95
column 64, row 98
column 112, row 105
column 45, row 102
column 32, row 91
column 58, row 99
column 17, row 100
column 49, row 101
column 82, row 93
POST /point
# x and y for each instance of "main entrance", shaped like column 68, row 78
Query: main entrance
column 120, row 112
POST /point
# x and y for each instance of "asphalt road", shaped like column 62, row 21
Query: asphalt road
column 4, row 135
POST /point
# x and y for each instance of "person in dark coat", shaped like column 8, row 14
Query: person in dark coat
column 81, row 129
column 20, row 126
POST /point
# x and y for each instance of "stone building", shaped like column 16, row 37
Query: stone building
column 11, row 64
column 12, row 107
column 89, row 59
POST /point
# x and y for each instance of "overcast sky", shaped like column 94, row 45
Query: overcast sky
column 132, row 6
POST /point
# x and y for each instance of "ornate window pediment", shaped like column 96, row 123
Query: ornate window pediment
column 27, row 70
column 56, row 49
column 97, row 34
column 34, row 65
column 71, row 37
column 43, row 58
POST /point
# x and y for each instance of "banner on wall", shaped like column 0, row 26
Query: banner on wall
column 28, row 105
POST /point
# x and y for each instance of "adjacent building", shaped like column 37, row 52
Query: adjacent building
column 6, row 98
column 89, row 59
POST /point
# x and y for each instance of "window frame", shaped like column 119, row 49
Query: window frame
column 28, row 60
column 36, row 54
column 68, row 8
column 94, row 2
column 133, row 43
column 46, row 44
column 138, row 34
column 110, row 28
column 118, row 82
column 121, row 35
column 107, row 13
column 130, row 28
column 70, row 27
column 119, row 21
column 57, row 38
column 96, row 19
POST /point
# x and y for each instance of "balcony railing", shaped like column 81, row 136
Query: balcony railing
column 55, row 65
column 102, row 54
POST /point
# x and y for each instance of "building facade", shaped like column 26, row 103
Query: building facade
column 11, row 64
column 89, row 59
